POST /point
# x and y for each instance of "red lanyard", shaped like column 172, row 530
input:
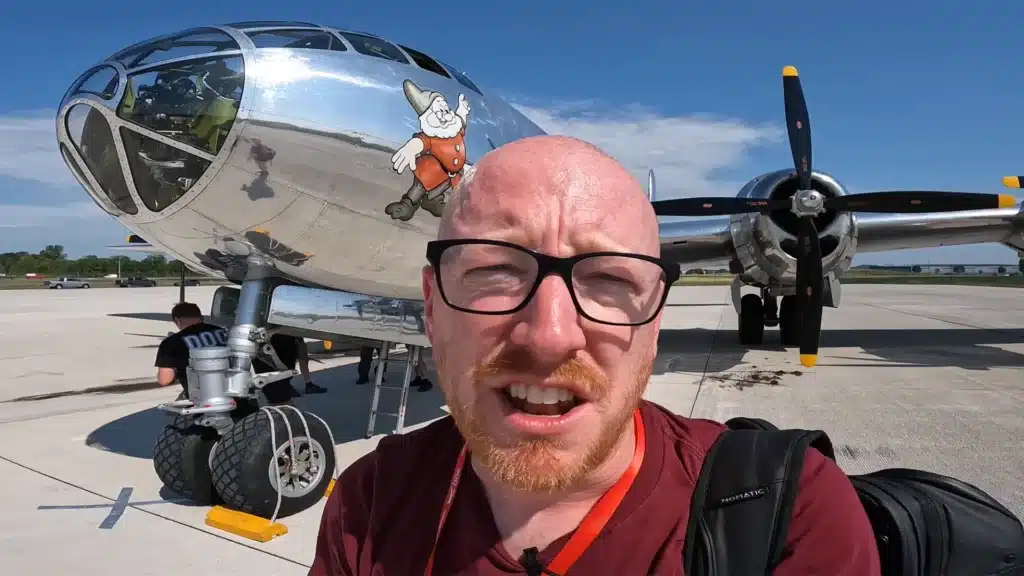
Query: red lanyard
column 592, row 523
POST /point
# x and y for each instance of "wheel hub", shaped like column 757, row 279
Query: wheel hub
column 299, row 465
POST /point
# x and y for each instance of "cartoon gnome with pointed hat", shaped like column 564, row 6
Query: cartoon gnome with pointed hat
column 436, row 154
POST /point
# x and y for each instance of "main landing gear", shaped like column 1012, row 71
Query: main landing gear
column 758, row 311
column 226, row 445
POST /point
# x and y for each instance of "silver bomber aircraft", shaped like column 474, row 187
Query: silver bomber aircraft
column 308, row 166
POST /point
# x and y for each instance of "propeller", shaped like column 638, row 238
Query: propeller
column 808, row 203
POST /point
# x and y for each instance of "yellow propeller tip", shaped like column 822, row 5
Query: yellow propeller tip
column 809, row 360
column 790, row 71
column 1007, row 201
column 1010, row 182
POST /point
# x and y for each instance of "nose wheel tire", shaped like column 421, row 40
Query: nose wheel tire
column 751, row 320
column 181, row 458
column 246, row 467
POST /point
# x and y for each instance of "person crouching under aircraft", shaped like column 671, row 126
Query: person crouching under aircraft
column 420, row 381
column 172, row 356
column 291, row 350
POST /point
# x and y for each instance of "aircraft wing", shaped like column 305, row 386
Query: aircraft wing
column 136, row 247
column 708, row 241
column 137, row 244
column 883, row 232
column 695, row 243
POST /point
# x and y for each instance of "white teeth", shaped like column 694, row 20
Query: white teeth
column 540, row 395
column 534, row 395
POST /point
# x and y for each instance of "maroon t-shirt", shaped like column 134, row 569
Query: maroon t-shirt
column 382, row 517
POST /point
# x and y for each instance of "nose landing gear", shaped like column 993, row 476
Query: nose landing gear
column 759, row 311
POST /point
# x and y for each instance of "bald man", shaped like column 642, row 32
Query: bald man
column 543, row 301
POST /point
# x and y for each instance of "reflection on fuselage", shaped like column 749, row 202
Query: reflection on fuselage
column 283, row 140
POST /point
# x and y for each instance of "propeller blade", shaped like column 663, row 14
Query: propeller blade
column 917, row 201
column 1012, row 181
column 809, row 286
column 717, row 206
column 798, row 124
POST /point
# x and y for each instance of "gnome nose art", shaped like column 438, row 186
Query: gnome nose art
column 436, row 153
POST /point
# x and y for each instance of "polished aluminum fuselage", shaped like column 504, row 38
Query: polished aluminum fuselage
column 328, row 123
column 333, row 121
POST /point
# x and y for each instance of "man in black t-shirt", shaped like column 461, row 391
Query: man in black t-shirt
column 172, row 356
column 291, row 350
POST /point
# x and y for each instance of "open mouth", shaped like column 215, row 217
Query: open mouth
column 541, row 401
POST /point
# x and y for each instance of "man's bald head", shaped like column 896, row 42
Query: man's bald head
column 560, row 197
column 556, row 181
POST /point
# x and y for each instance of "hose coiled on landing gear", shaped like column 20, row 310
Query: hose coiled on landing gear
column 291, row 443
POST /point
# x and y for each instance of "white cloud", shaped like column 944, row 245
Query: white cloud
column 49, row 216
column 28, row 148
column 686, row 152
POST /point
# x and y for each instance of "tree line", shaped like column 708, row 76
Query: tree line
column 53, row 261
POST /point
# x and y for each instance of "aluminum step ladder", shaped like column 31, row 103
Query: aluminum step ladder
column 413, row 356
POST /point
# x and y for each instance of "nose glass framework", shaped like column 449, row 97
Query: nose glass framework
column 141, row 129
column 493, row 277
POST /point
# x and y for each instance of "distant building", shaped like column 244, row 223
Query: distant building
column 968, row 269
column 949, row 269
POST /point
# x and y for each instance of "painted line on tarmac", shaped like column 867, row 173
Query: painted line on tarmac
column 117, row 507
column 156, row 515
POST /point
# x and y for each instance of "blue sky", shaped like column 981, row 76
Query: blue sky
column 899, row 97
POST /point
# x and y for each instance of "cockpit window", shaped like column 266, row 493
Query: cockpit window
column 370, row 46
column 161, row 173
column 91, row 135
column 178, row 46
column 101, row 81
column 462, row 78
column 308, row 39
column 425, row 62
column 193, row 102
column 266, row 24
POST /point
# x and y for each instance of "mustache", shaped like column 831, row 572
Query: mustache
column 520, row 361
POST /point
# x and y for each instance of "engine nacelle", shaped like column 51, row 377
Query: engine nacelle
column 766, row 245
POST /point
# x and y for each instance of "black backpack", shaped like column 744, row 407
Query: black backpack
column 925, row 524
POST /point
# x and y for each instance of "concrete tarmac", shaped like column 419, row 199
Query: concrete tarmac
column 927, row 377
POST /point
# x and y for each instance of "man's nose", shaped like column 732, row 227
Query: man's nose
column 550, row 325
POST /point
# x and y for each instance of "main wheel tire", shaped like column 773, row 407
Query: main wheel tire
column 751, row 320
column 181, row 458
column 789, row 322
column 245, row 467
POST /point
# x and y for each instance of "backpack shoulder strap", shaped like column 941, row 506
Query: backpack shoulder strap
column 743, row 500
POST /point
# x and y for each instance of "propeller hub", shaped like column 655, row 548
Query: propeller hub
column 808, row 203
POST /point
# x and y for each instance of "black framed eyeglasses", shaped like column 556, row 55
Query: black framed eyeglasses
column 494, row 277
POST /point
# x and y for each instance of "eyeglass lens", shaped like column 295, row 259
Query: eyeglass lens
column 488, row 278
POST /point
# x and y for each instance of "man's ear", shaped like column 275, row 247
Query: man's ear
column 429, row 294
